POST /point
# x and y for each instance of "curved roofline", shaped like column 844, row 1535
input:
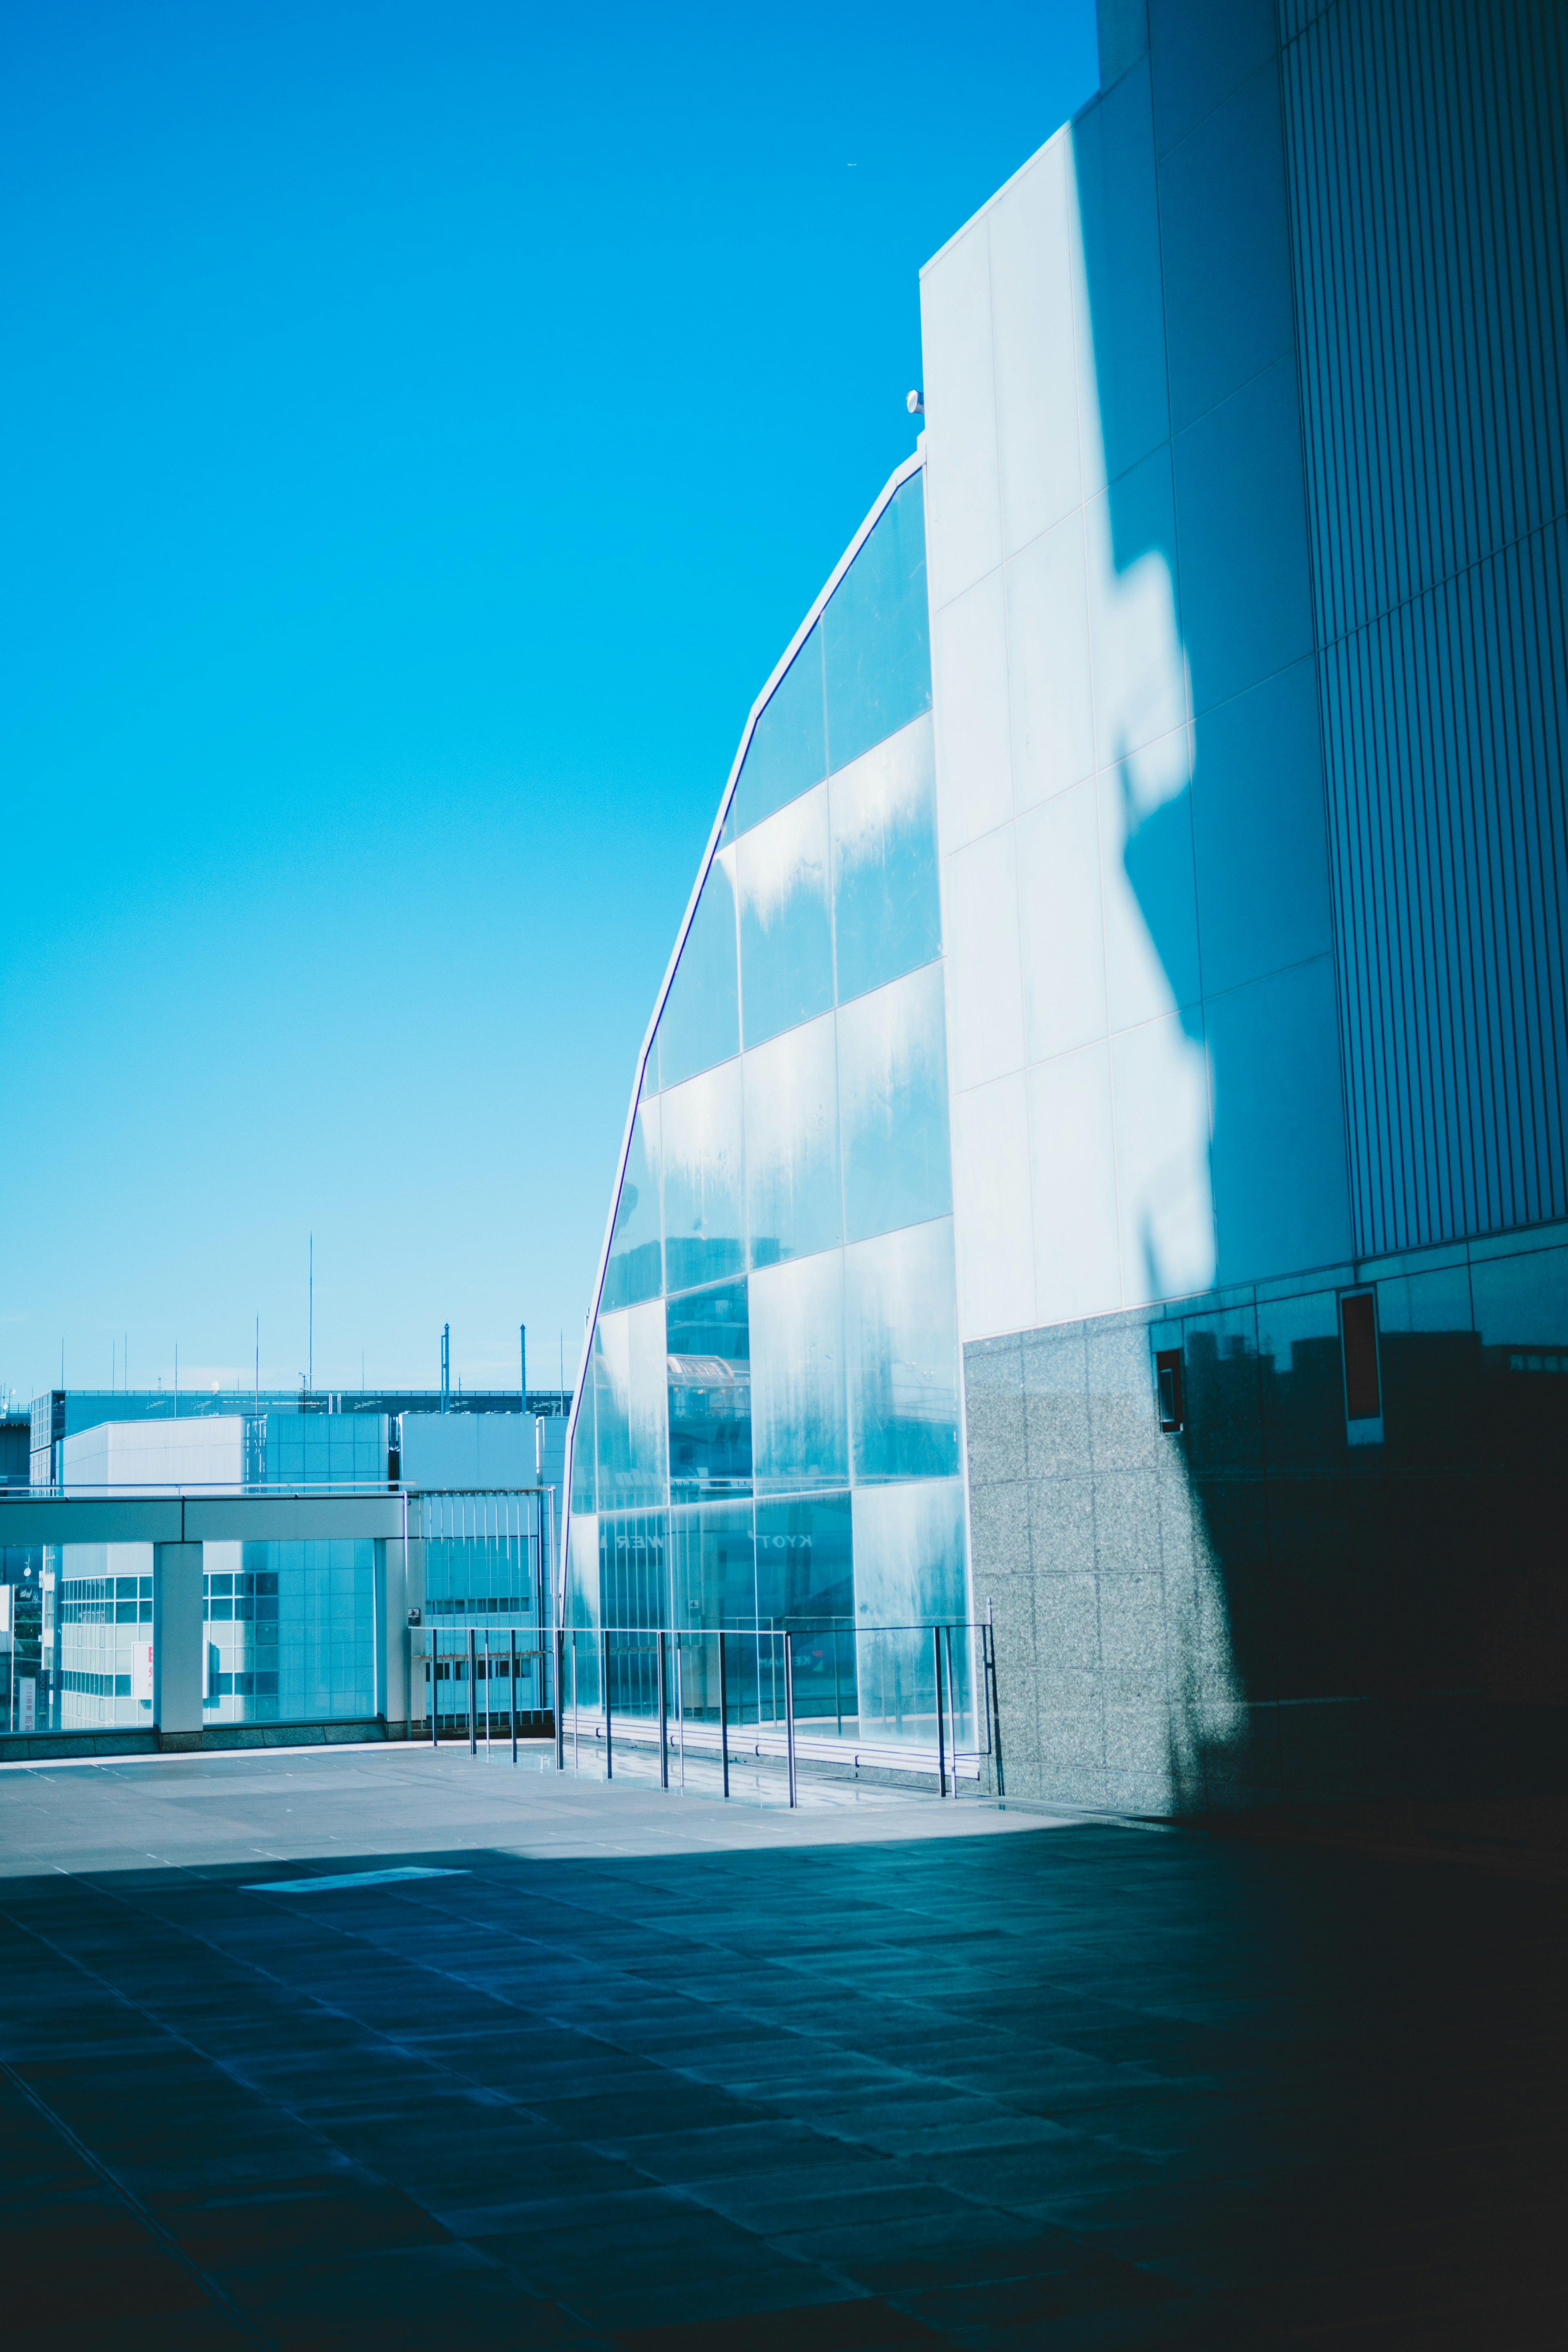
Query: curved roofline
column 895, row 482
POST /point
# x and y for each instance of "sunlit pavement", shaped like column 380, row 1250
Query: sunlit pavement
column 623, row 2067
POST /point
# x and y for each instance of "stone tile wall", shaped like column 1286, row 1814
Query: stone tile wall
column 1255, row 1611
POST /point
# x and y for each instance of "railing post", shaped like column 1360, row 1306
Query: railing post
column 605, row 1694
column 560, row 1700
column 511, row 1694
column 994, row 1705
column 663, row 1718
column 789, row 1709
column 434, row 1648
column 952, row 1714
column 723, row 1716
column 941, row 1747
column 473, row 1726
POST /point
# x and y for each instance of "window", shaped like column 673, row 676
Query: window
column 1363, row 1387
column 1168, row 1388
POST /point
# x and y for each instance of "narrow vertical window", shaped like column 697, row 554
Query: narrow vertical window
column 1364, row 1387
column 1168, row 1388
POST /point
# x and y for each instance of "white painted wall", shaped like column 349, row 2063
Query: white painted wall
column 1093, row 780
column 470, row 1449
column 206, row 1450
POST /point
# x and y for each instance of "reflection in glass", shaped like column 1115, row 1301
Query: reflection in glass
column 708, row 1365
column 876, row 633
column 799, row 1425
column 788, row 750
column 901, row 1346
column 714, row 1571
column 633, row 1272
column 887, row 915
column 701, row 1023
column 583, row 1571
column 632, row 1581
column 909, row 1554
column 628, row 1387
column 892, row 1106
column 703, row 1212
column 908, row 1573
column 805, row 1561
column 786, row 938
column 583, row 1446
column 792, row 1144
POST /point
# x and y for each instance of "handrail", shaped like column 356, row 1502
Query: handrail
column 775, row 1734
column 306, row 1490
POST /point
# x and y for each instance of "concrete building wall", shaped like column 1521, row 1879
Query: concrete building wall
column 1203, row 972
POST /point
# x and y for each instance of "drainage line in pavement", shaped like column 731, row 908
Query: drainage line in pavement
column 210, row 2286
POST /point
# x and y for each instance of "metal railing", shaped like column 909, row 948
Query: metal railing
column 917, row 1699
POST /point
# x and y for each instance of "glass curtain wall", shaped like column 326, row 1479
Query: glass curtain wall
column 768, row 1432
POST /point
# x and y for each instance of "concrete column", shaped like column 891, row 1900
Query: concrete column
column 413, row 1598
column 390, row 1631
column 177, row 1635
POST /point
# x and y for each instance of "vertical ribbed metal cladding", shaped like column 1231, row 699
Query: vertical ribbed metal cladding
column 1428, row 145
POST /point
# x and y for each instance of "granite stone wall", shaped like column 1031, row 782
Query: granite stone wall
column 1255, row 1610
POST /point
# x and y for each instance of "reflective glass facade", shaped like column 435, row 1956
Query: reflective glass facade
column 768, row 1430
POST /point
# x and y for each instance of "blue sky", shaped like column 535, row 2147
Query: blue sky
column 422, row 428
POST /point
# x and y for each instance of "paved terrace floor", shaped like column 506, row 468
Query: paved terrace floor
column 647, row 2071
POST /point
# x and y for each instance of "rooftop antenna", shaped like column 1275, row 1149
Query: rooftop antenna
column 310, row 1348
column 522, row 1360
column 446, row 1368
column 258, row 1367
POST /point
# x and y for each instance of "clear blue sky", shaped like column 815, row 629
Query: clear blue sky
column 422, row 427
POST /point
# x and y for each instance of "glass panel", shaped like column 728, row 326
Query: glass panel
column 786, row 938
column 629, row 1384
column 901, row 1343
column 876, row 633
column 892, row 1106
column 632, row 1582
column 583, row 1571
column 634, row 1270
column 710, row 1393
column 325, row 1658
column 582, row 1448
column 714, row 1572
column 800, row 1426
column 909, row 1554
column 909, row 1572
column 792, row 1144
column 887, row 914
column 788, row 750
column 701, row 1023
column 703, row 1216
column 805, row 1564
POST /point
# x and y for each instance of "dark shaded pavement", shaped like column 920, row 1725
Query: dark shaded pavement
column 816, row 2080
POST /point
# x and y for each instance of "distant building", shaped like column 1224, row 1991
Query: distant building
column 291, row 1628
